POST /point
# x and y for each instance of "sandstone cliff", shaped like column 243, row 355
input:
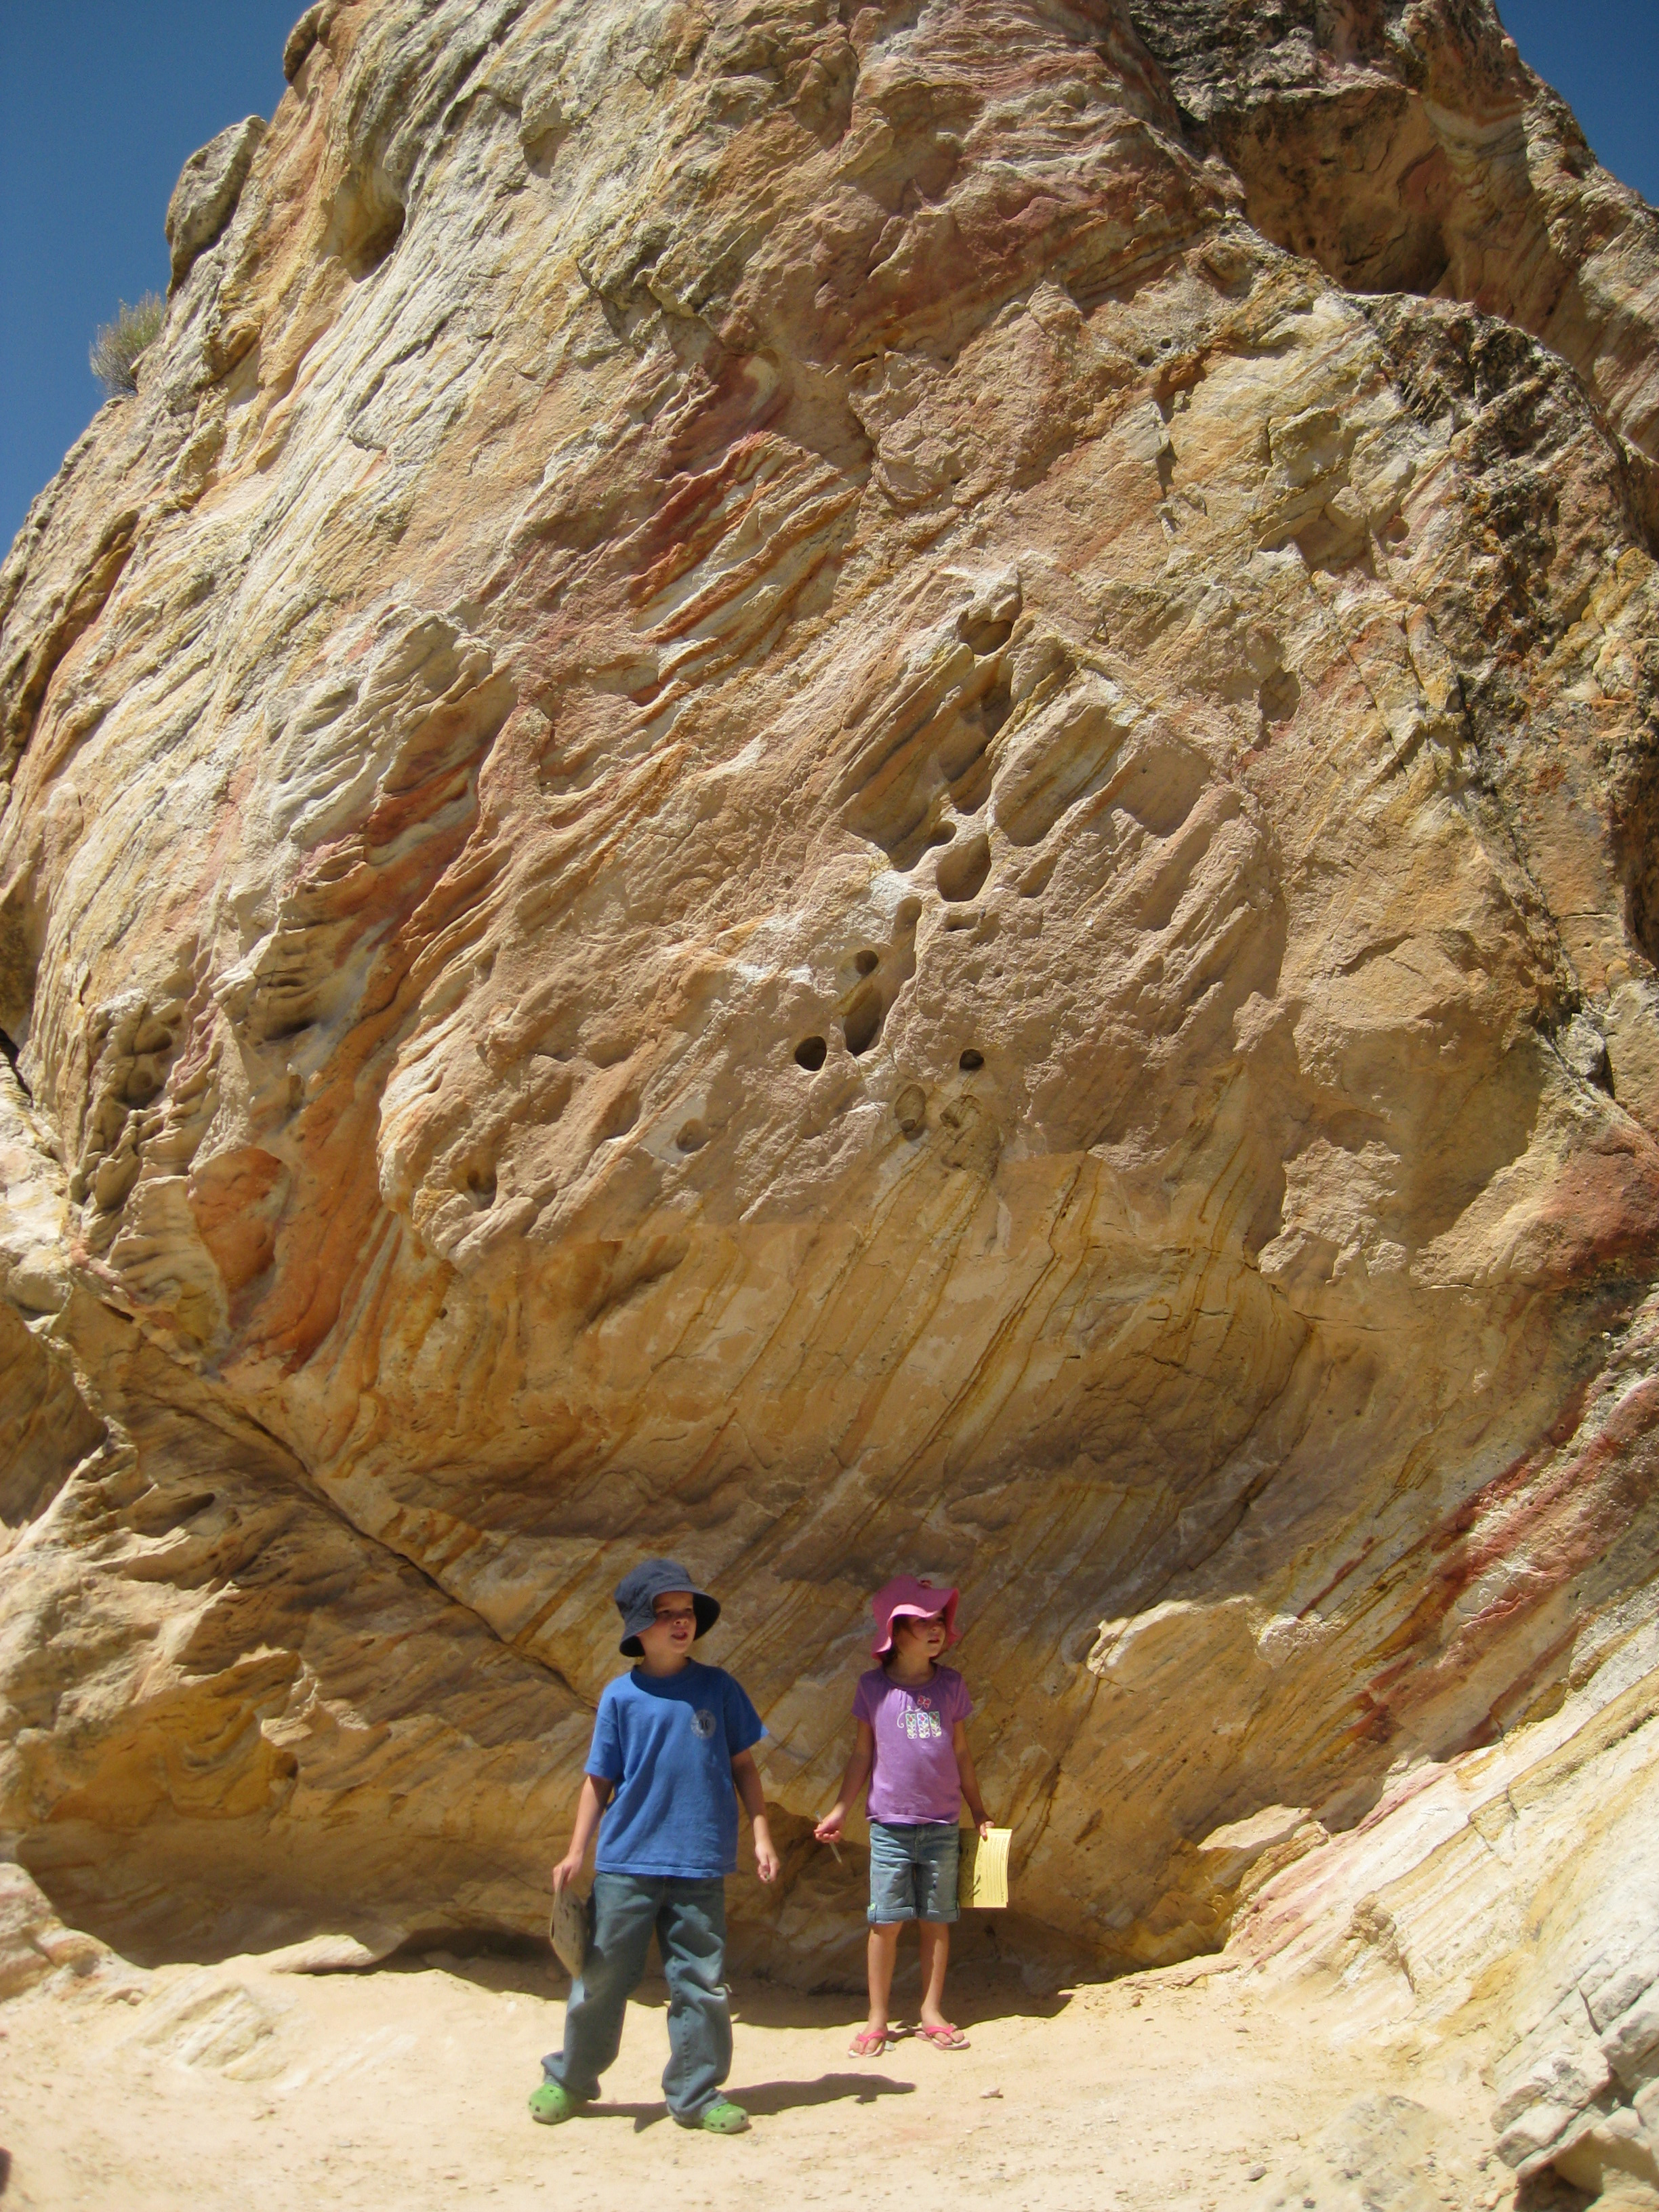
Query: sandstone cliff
column 850, row 787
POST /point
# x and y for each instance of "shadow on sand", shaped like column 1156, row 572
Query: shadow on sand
column 975, row 1993
column 763, row 2099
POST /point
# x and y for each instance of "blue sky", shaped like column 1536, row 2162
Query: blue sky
column 101, row 104
column 101, row 101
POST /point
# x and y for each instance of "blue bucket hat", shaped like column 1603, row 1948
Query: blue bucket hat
column 636, row 1600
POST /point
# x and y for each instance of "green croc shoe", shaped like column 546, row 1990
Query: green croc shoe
column 722, row 2117
column 552, row 2103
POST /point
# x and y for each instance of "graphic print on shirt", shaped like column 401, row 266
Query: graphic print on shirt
column 921, row 1722
column 703, row 1721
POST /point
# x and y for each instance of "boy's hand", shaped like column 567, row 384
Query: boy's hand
column 829, row 1828
column 767, row 1861
column 566, row 1870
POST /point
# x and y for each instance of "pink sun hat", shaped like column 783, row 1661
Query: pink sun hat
column 906, row 1594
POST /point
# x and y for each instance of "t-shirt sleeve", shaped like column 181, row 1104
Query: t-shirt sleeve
column 744, row 1725
column 864, row 1703
column 961, row 1704
column 604, row 1755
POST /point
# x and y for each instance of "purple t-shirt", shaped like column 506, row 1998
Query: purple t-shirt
column 914, row 1776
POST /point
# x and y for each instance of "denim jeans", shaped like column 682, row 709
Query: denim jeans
column 689, row 1918
column 912, row 1871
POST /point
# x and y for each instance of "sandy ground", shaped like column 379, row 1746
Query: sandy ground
column 240, row 2088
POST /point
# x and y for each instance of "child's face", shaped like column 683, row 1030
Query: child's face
column 920, row 1638
column 669, row 1638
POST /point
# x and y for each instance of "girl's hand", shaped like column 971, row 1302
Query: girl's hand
column 829, row 1828
column 984, row 1824
column 566, row 1870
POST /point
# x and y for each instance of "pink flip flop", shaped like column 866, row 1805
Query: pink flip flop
column 867, row 2044
column 945, row 2038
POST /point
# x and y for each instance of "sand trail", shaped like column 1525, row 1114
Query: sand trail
column 231, row 2088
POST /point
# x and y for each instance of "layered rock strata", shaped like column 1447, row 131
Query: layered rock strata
column 840, row 789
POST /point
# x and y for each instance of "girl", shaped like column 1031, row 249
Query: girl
column 912, row 1749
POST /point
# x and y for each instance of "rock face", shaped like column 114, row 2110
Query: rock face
column 846, row 789
column 204, row 198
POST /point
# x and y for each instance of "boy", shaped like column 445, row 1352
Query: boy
column 670, row 1757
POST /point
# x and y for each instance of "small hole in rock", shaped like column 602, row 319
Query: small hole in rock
column 909, row 913
column 1279, row 696
column 611, row 1050
column 866, row 961
column 366, row 233
column 9, row 1056
column 619, row 1117
column 962, row 870
column 984, row 634
column 691, row 1136
column 810, row 1053
column 910, row 1109
column 861, row 1022
column 971, row 1059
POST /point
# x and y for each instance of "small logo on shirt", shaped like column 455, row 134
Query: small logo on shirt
column 921, row 1722
column 702, row 1722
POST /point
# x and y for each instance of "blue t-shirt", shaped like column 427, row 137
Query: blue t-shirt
column 667, row 1743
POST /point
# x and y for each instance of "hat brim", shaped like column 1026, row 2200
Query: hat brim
column 706, row 1609
column 907, row 1611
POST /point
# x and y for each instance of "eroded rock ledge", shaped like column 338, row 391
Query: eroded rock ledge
column 839, row 788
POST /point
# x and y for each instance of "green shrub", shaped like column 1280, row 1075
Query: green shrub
column 115, row 350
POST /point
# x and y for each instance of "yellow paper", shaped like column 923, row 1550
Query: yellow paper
column 983, row 1879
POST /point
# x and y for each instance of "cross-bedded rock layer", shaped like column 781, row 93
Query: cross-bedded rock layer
column 839, row 788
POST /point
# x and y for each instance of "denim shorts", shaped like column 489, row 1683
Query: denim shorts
column 912, row 1871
